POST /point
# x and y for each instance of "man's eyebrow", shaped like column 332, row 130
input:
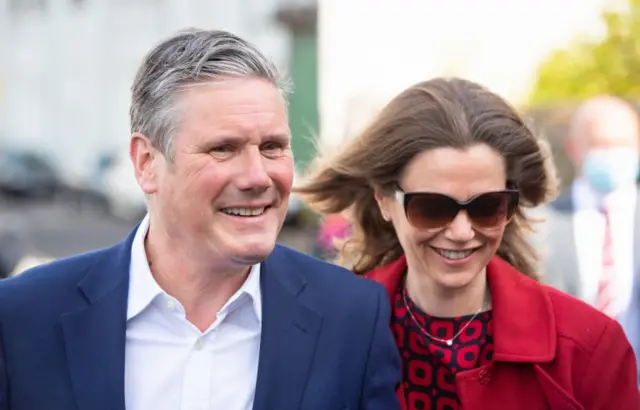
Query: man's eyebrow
column 227, row 139
column 278, row 137
column 235, row 140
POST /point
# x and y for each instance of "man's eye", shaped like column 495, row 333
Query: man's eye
column 222, row 149
column 271, row 146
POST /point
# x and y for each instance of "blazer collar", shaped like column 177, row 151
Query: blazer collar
column 523, row 319
column 94, row 334
column 290, row 331
column 110, row 271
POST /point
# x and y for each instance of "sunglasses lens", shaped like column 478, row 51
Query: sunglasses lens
column 430, row 211
column 433, row 211
column 493, row 209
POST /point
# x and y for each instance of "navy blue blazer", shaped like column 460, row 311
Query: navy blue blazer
column 325, row 343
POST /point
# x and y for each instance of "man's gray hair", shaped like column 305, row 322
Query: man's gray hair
column 188, row 57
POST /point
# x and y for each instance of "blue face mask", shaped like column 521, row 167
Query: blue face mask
column 609, row 169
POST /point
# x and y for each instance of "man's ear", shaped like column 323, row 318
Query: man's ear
column 144, row 158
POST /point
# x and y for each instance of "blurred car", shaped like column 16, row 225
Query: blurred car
column 295, row 212
column 115, row 181
column 108, row 188
column 27, row 173
column 12, row 251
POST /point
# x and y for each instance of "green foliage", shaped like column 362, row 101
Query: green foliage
column 585, row 69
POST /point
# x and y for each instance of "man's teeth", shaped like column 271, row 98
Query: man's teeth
column 454, row 255
column 244, row 211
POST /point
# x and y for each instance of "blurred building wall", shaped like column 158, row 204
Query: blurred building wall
column 66, row 66
column 301, row 19
column 370, row 50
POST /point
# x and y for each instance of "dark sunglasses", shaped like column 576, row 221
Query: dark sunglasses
column 432, row 211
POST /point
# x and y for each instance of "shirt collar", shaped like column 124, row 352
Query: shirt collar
column 143, row 288
column 250, row 289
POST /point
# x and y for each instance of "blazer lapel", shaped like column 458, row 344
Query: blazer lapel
column 290, row 330
column 94, row 335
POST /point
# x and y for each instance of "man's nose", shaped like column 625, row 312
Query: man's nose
column 461, row 228
column 253, row 175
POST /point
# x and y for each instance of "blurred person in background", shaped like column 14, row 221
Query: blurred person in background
column 198, row 308
column 591, row 239
column 436, row 187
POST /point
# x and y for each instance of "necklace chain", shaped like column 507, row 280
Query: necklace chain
column 448, row 342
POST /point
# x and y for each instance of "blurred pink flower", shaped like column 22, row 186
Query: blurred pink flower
column 333, row 227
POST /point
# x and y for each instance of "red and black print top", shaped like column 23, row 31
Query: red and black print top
column 429, row 366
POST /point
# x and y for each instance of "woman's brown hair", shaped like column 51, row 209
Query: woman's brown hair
column 438, row 113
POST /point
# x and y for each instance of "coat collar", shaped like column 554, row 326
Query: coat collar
column 523, row 319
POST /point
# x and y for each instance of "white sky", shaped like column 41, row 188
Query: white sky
column 370, row 49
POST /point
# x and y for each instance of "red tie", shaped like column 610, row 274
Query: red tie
column 605, row 298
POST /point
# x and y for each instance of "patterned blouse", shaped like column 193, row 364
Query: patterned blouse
column 429, row 367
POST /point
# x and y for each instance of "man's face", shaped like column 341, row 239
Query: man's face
column 225, row 195
column 609, row 136
column 604, row 126
column 604, row 145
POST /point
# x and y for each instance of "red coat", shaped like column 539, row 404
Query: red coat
column 551, row 351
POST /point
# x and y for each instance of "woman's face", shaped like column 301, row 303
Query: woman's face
column 454, row 255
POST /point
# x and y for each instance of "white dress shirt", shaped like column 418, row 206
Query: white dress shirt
column 170, row 364
column 589, row 226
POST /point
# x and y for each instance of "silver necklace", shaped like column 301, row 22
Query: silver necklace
column 448, row 342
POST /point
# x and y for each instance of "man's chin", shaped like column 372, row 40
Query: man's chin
column 251, row 253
